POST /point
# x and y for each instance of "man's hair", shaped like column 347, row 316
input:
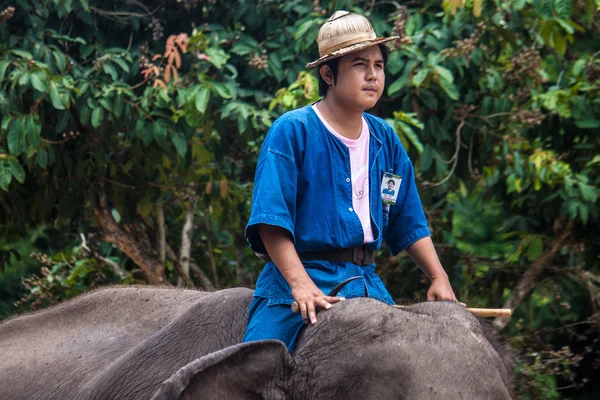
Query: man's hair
column 335, row 63
column 393, row 182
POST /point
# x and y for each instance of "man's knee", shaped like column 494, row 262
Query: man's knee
column 272, row 322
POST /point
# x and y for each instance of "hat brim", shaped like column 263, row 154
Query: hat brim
column 350, row 49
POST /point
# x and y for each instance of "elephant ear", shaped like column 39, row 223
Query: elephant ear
column 245, row 370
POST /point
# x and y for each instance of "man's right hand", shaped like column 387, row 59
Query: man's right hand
column 309, row 297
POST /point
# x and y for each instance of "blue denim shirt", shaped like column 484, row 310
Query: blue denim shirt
column 303, row 185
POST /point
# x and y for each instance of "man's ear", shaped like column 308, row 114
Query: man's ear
column 247, row 370
column 326, row 74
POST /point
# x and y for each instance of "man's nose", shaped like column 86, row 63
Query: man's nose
column 371, row 74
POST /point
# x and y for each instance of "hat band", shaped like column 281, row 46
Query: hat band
column 328, row 46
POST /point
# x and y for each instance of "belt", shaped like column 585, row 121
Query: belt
column 362, row 255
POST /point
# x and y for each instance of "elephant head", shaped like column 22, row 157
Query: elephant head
column 360, row 349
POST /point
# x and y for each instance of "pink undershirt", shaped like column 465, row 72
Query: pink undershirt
column 359, row 165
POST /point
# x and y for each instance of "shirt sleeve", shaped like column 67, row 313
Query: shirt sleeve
column 275, row 184
column 407, row 222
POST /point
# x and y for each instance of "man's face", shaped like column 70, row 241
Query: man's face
column 390, row 185
column 360, row 80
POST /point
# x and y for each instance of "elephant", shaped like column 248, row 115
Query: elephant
column 138, row 342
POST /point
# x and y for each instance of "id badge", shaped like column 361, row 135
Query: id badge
column 390, row 186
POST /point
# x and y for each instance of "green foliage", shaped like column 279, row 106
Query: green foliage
column 66, row 275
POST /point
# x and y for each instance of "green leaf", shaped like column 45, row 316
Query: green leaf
column 449, row 88
column 578, row 66
column 85, row 5
column 39, row 81
column 105, row 102
column 97, row 117
column 87, row 51
column 5, row 176
column 217, row 56
column 3, row 67
column 535, row 248
column 24, row 79
column 426, row 158
column 588, row 193
column 116, row 215
column 303, row 28
column 583, row 213
column 55, row 97
column 16, row 137
column 222, row 90
column 121, row 63
column 275, row 66
column 118, row 105
column 16, row 170
column 42, row 158
column 563, row 8
column 398, row 85
column 588, row 122
column 23, row 54
column 420, row 77
column 160, row 135
column 61, row 62
column 111, row 70
column 202, row 98
column 145, row 206
column 444, row 73
column 34, row 129
column 180, row 143
column 5, row 123
column 560, row 44
column 412, row 136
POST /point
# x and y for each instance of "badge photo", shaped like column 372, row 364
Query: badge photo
column 390, row 186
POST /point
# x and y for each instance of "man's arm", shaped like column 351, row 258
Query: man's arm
column 283, row 253
column 423, row 253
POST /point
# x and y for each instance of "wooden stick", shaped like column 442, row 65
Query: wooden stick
column 485, row 312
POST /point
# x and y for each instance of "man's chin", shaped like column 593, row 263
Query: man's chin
column 368, row 105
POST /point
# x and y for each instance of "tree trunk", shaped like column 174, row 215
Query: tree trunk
column 186, row 244
column 210, row 253
column 204, row 281
column 132, row 240
column 533, row 275
column 161, row 238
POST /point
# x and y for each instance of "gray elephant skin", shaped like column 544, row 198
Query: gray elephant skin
column 166, row 343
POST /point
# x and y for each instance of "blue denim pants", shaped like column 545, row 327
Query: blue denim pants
column 273, row 322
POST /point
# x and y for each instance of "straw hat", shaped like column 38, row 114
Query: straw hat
column 344, row 33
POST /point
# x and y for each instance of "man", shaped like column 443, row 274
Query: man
column 317, row 208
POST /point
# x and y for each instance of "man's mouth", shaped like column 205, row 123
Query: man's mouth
column 370, row 89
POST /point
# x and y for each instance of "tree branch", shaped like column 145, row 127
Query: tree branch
column 117, row 270
column 133, row 241
column 454, row 158
column 205, row 283
column 534, row 272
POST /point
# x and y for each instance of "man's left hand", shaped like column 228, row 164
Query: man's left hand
column 440, row 290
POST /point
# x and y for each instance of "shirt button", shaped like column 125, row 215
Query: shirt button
column 350, row 209
column 347, row 179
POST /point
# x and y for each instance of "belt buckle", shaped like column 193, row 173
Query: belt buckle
column 358, row 255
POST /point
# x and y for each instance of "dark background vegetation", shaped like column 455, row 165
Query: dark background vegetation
column 130, row 131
